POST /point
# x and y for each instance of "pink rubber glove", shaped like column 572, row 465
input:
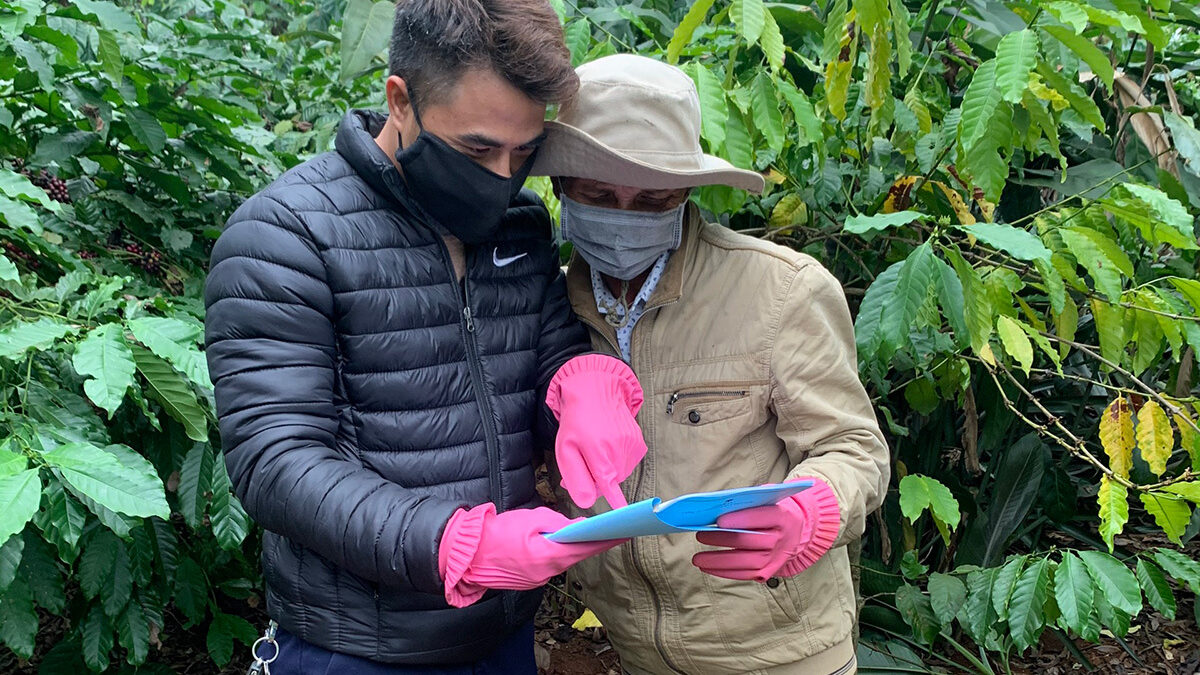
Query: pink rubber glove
column 596, row 399
column 788, row 537
column 482, row 549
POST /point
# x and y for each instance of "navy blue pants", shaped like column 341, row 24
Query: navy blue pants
column 297, row 657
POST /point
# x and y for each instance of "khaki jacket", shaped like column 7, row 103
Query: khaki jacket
column 746, row 355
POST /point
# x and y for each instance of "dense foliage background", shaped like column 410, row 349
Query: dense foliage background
column 1008, row 191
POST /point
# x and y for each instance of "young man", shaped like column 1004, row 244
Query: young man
column 746, row 353
column 383, row 323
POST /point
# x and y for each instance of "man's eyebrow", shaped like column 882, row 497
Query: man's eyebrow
column 489, row 142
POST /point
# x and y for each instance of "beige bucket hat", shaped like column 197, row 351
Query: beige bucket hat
column 635, row 121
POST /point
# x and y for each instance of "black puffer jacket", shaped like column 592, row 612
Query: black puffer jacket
column 362, row 402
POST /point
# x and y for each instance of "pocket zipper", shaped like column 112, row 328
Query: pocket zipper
column 693, row 394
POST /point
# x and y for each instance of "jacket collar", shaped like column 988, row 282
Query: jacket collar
column 670, row 286
column 355, row 142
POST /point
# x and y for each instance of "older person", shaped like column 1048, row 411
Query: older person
column 746, row 353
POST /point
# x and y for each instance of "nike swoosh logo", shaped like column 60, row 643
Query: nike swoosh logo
column 505, row 262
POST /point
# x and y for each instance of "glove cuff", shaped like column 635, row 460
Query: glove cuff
column 823, row 515
column 459, row 543
column 619, row 377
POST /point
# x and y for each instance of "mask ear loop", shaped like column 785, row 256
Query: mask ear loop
column 619, row 319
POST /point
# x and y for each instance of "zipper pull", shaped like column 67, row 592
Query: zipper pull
column 671, row 402
column 470, row 320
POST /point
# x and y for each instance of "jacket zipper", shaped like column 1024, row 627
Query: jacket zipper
column 635, row 545
column 491, row 437
column 679, row 395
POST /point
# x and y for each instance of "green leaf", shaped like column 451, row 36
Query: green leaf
column 1019, row 243
column 222, row 632
column 61, row 147
column 97, row 635
column 1015, row 57
column 1114, row 509
column 918, row 493
column 738, row 147
column 1187, row 140
column 146, row 129
column 682, row 36
column 1017, row 481
column 195, row 480
column 1006, row 578
column 191, row 591
column 35, row 62
column 115, row 592
column 1156, row 588
column 771, row 42
column 952, row 301
column 174, row 340
column 917, row 611
column 111, row 60
column 133, row 632
column 803, row 114
column 1112, row 618
column 18, row 186
column 1103, row 258
column 977, row 302
column 879, row 222
column 1160, row 219
column 867, row 334
column 977, row 616
column 8, row 271
column 96, row 562
column 1171, row 513
column 104, row 357
column 985, row 162
column 173, row 392
column 19, row 499
column 1178, row 565
column 1080, row 102
column 768, row 119
column 1026, row 609
column 102, row 477
column 230, row 522
column 18, row 619
column 366, row 29
column 1115, row 580
column 39, row 335
column 713, row 110
column 947, row 593
column 1073, row 593
column 10, row 560
column 981, row 102
column 750, row 18
column 1016, row 343
column 578, row 36
column 109, row 15
column 900, row 19
column 1085, row 50
column 912, row 288
column 61, row 520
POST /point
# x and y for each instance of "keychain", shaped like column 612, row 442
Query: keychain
column 262, row 666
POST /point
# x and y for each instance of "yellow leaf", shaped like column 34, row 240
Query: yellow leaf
column 1040, row 90
column 987, row 355
column 1015, row 341
column 788, row 213
column 587, row 620
column 1114, row 509
column 900, row 194
column 1188, row 438
column 1116, row 435
column 1155, row 438
column 961, row 210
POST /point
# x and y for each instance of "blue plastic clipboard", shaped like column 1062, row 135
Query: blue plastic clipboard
column 690, row 513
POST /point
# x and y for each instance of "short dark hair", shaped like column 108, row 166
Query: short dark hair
column 434, row 41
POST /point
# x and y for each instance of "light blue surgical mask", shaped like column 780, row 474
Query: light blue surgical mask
column 619, row 243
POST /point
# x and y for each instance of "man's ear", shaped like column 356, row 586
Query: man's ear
column 398, row 102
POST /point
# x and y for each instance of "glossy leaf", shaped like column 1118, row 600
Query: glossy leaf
column 1073, row 593
column 1115, row 580
column 1156, row 588
column 750, row 18
column 1114, row 509
column 173, row 392
column 98, row 474
column 912, row 288
column 918, row 613
column 1015, row 57
column 21, row 337
column 1018, row 243
column 860, row 224
column 366, row 29
column 104, row 357
column 1026, row 609
column 682, row 36
column 1016, row 343
column 947, row 593
column 1171, row 513
column 19, row 498
column 918, row 493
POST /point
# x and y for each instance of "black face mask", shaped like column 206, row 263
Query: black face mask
column 465, row 198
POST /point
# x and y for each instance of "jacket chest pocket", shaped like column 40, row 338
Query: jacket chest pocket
column 703, row 404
